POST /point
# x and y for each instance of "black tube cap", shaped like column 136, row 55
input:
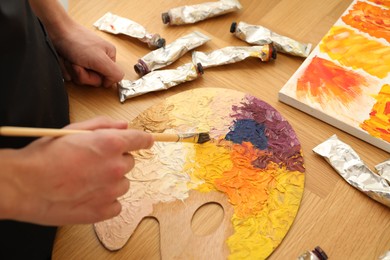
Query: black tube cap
column 199, row 68
column 160, row 42
column 274, row 53
column 165, row 18
column 233, row 27
column 320, row 253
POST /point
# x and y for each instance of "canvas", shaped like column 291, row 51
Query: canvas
column 345, row 80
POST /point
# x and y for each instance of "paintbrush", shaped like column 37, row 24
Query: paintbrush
column 199, row 138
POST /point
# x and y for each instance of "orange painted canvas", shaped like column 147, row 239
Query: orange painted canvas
column 345, row 80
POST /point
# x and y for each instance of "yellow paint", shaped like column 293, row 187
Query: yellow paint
column 378, row 125
column 356, row 51
column 256, row 236
column 209, row 163
column 265, row 201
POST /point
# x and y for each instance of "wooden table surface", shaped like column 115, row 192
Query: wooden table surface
column 343, row 221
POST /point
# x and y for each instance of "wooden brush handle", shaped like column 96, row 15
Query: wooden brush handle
column 162, row 137
column 39, row 132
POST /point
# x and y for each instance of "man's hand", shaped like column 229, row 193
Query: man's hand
column 86, row 58
column 73, row 179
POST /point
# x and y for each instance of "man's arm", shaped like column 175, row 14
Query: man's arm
column 88, row 59
column 53, row 16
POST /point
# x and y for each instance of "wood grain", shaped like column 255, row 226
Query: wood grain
column 181, row 240
column 343, row 221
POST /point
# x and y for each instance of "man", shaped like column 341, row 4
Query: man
column 48, row 182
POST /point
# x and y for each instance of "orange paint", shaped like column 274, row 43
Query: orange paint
column 354, row 50
column 385, row 3
column 247, row 187
column 323, row 80
column 369, row 19
column 379, row 123
column 256, row 235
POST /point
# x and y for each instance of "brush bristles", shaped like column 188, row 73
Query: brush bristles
column 203, row 137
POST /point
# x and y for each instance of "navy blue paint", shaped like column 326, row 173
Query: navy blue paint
column 248, row 130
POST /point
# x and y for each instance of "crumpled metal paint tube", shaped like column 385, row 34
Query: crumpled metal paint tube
column 158, row 80
column 194, row 13
column 349, row 165
column 384, row 170
column 165, row 56
column 119, row 25
column 259, row 35
column 233, row 54
column 385, row 256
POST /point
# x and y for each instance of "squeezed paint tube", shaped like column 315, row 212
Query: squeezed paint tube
column 194, row 13
column 119, row 25
column 234, row 54
column 159, row 80
column 385, row 256
column 259, row 35
column 384, row 170
column 349, row 165
column 165, row 56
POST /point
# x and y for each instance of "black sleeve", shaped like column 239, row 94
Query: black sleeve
column 32, row 93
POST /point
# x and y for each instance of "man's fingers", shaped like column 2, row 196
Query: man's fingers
column 123, row 141
column 103, row 72
column 84, row 76
column 109, row 70
column 137, row 140
column 101, row 213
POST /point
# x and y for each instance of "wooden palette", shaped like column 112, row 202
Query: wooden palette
column 252, row 168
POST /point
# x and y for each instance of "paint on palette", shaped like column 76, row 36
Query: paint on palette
column 379, row 122
column 369, row 19
column 340, row 81
column 260, row 171
column 248, row 130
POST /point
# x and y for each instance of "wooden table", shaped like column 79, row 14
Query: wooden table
column 343, row 221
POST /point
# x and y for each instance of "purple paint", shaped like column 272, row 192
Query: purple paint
column 283, row 146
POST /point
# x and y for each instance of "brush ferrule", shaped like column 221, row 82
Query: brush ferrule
column 191, row 138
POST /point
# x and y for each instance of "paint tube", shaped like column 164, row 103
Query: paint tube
column 316, row 254
column 119, row 25
column 348, row 164
column 259, row 35
column 194, row 13
column 234, row 54
column 165, row 56
column 159, row 80
column 384, row 170
column 385, row 256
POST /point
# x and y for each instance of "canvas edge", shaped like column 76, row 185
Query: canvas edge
column 382, row 144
